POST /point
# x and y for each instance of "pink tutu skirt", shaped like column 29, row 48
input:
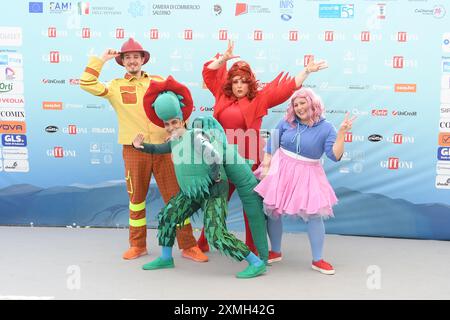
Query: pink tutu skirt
column 295, row 186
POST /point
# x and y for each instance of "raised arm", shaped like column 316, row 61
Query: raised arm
column 89, row 79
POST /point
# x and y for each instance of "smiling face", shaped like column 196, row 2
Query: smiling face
column 175, row 127
column 301, row 109
column 239, row 86
column 133, row 61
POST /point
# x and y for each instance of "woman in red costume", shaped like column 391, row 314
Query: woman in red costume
column 240, row 105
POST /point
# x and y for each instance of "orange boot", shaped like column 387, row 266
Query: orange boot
column 135, row 252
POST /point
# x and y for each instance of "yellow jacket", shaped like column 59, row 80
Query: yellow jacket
column 126, row 97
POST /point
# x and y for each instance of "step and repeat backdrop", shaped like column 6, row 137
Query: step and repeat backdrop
column 389, row 64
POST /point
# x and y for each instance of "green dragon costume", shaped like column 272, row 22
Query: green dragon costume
column 203, row 162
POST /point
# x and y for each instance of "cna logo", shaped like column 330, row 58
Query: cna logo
column 60, row 152
column 444, row 139
column 395, row 164
column 443, row 153
column 405, row 87
column 397, row 113
column 399, row 138
column 14, row 140
column 13, row 127
column 379, row 112
column 50, row 105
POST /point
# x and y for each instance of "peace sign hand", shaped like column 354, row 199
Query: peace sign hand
column 346, row 125
column 228, row 55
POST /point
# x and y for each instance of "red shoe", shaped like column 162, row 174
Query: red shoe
column 323, row 267
column 203, row 245
column 274, row 257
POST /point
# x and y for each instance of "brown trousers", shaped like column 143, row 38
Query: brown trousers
column 139, row 167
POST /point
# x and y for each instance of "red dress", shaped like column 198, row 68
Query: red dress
column 245, row 115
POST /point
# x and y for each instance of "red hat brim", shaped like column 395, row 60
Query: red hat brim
column 170, row 84
column 146, row 56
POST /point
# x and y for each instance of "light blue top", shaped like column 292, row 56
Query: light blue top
column 310, row 142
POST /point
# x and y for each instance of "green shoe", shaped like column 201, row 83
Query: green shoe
column 252, row 271
column 159, row 263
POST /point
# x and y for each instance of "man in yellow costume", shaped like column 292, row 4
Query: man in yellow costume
column 126, row 97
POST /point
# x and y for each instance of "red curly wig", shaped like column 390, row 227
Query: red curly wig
column 243, row 70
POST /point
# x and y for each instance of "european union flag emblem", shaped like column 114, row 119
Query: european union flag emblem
column 35, row 7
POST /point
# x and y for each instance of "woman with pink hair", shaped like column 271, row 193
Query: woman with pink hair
column 293, row 180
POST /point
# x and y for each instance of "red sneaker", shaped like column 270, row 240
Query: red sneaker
column 274, row 257
column 323, row 267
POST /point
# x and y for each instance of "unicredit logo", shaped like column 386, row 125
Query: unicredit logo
column 53, row 81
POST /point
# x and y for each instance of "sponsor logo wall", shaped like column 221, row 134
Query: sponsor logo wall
column 54, row 135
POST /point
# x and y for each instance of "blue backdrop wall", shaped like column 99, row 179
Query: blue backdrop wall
column 389, row 64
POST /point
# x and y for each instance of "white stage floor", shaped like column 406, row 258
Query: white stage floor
column 65, row 263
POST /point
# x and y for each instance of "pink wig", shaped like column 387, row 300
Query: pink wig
column 314, row 104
